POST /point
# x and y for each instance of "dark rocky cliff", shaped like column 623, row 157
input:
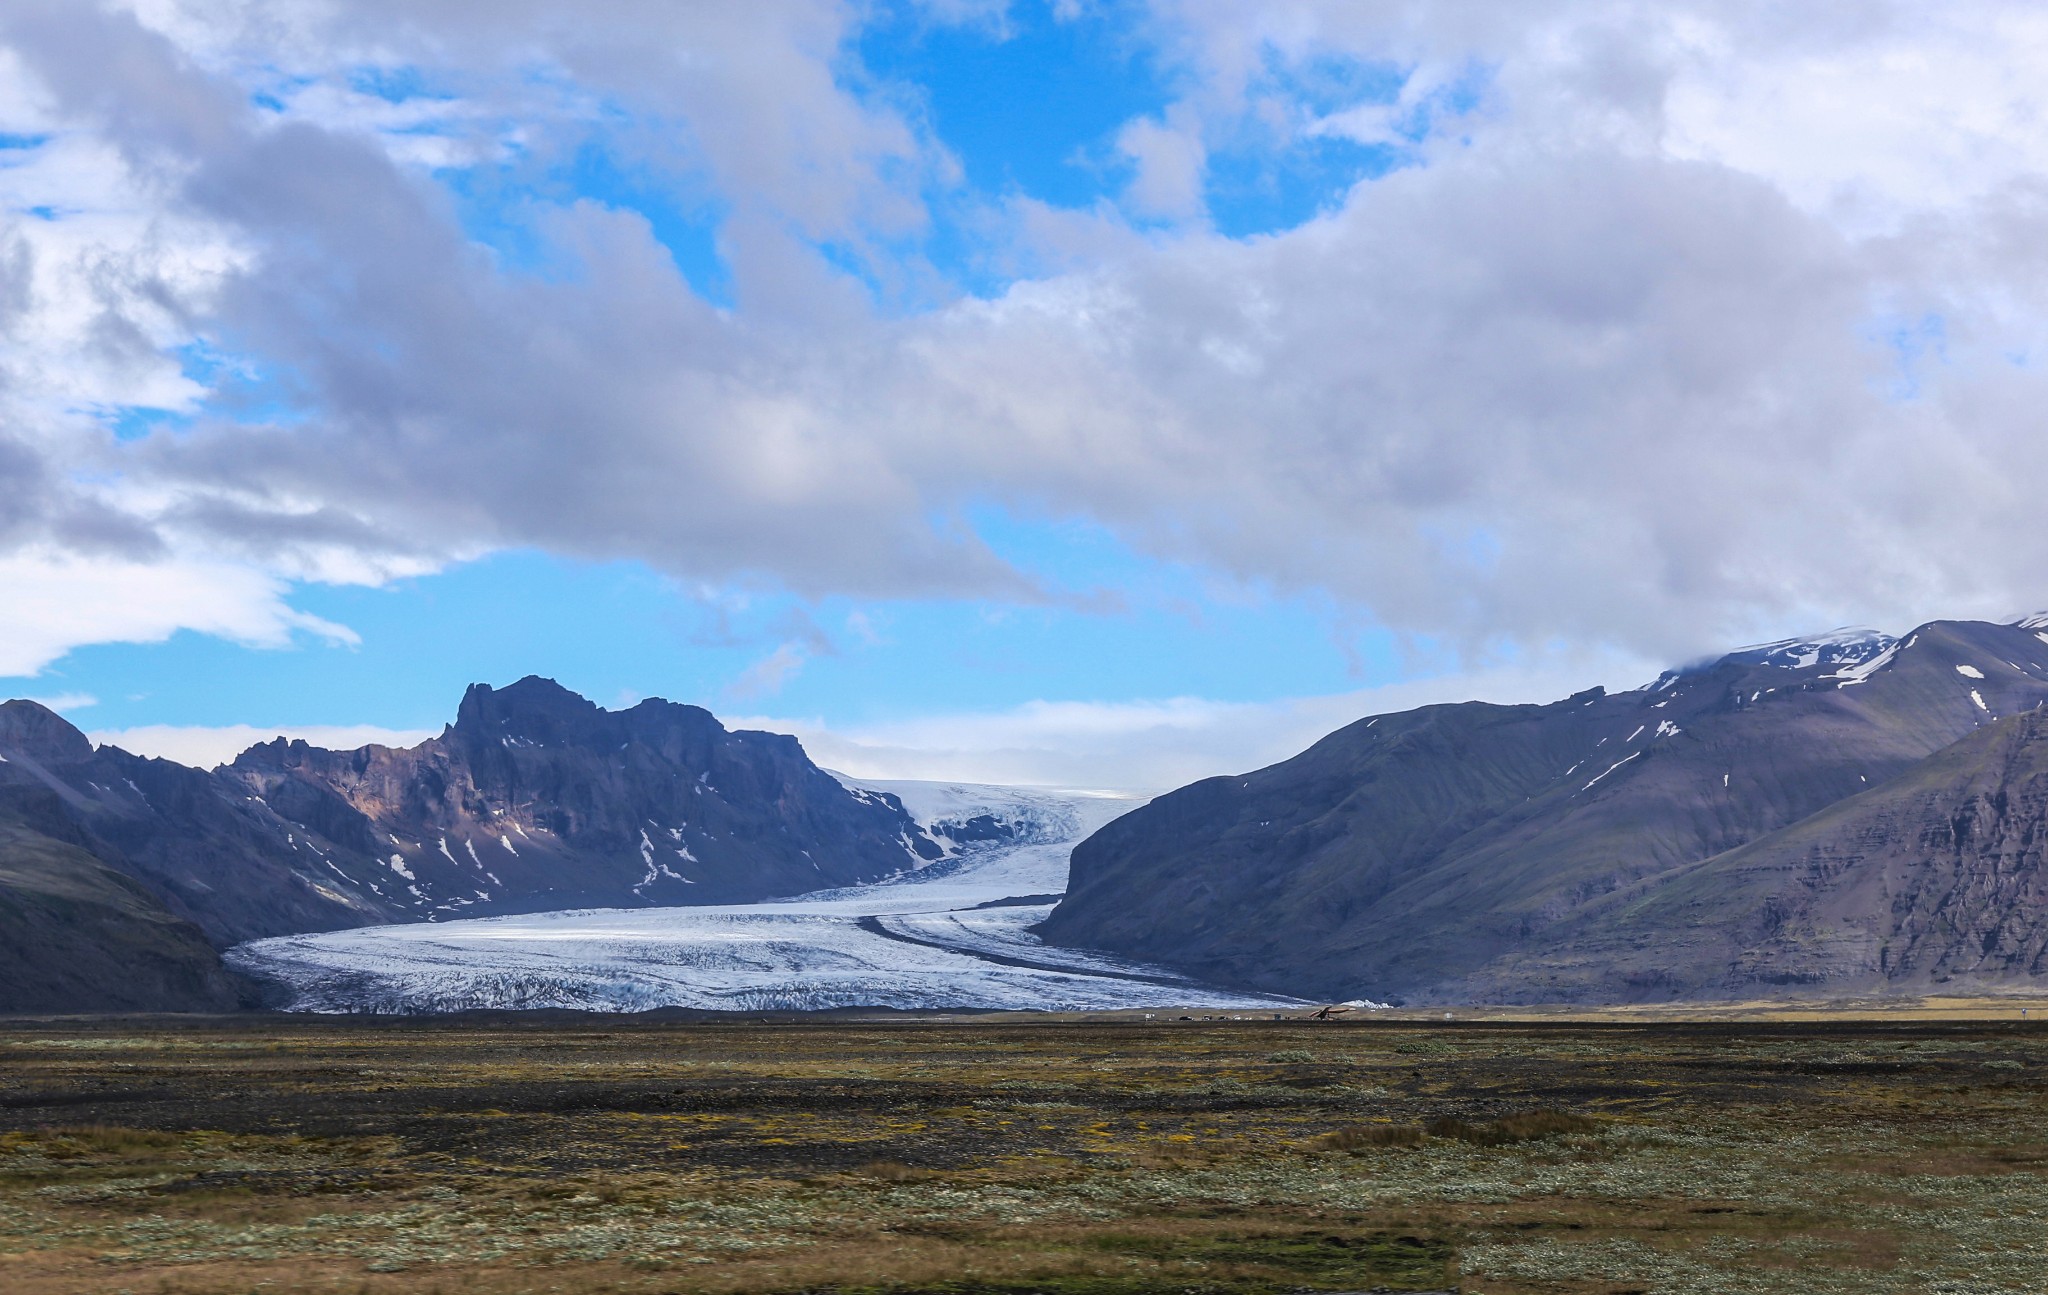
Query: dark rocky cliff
column 1936, row 881
column 200, row 845
column 535, row 799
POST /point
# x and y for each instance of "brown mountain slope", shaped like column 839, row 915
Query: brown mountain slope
column 538, row 799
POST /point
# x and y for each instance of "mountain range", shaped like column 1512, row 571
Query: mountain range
column 1851, row 813
column 533, row 799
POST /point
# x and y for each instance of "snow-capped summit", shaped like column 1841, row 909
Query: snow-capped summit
column 1847, row 646
column 1852, row 650
column 2036, row 621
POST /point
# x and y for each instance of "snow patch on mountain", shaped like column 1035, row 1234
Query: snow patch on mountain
column 1861, row 671
column 1848, row 646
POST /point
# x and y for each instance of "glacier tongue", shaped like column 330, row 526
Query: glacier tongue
column 951, row 933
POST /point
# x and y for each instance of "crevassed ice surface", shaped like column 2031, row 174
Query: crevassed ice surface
column 937, row 935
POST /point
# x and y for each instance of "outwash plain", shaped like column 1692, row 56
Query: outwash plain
column 1887, row 1152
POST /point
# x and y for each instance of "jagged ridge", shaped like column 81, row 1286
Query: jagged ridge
column 534, row 799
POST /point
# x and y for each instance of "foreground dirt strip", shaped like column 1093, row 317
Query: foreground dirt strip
column 1012, row 1154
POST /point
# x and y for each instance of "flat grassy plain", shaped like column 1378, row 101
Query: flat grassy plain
column 1012, row 1154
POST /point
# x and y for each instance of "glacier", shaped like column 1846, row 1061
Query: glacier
column 950, row 933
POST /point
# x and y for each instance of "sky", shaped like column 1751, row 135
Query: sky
column 1036, row 391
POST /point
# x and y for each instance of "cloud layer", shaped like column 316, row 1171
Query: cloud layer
column 1146, row 746
column 1669, row 324
column 205, row 746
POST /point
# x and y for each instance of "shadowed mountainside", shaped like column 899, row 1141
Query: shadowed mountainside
column 1932, row 881
column 75, row 934
column 1461, row 852
column 202, row 847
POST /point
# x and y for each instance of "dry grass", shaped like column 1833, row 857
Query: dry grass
column 998, row 1157
column 1509, row 1129
column 1367, row 1137
column 894, row 1171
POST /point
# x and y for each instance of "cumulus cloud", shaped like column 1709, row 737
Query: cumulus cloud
column 1169, row 158
column 67, row 701
column 1677, row 322
column 56, row 600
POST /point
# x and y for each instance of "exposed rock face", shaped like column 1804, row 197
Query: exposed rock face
column 1513, row 853
column 533, row 799
column 1936, row 880
column 536, row 799
column 32, row 732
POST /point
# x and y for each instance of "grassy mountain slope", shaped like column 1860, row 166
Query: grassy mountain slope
column 75, row 935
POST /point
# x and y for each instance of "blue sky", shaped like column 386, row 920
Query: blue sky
column 1060, row 390
column 1028, row 106
column 619, row 632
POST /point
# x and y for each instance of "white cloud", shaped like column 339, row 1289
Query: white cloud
column 1170, row 160
column 56, row 601
column 1913, row 107
column 765, row 678
column 1611, row 366
column 1149, row 745
column 203, row 747
column 67, row 701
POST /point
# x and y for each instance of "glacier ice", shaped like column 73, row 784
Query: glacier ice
column 951, row 933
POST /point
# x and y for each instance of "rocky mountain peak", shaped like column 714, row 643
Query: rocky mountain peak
column 534, row 707
column 34, row 731
column 278, row 753
column 536, row 797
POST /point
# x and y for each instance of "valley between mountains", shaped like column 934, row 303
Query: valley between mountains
column 952, row 932
column 626, row 860
column 1854, row 813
